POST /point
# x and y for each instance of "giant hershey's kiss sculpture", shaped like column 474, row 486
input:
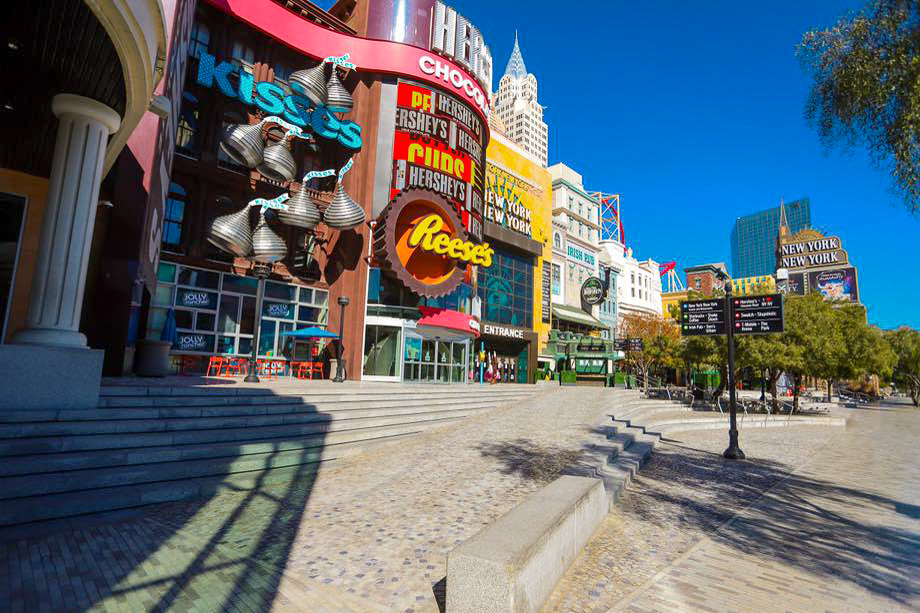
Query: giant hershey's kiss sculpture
column 245, row 145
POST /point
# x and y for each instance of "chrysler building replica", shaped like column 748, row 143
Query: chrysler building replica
column 517, row 107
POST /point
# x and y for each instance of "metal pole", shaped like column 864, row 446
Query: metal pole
column 734, row 451
column 261, row 274
column 340, row 371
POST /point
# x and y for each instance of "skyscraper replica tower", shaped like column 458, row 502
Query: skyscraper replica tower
column 516, row 105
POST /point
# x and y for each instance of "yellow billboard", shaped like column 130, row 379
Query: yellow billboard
column 519, row 197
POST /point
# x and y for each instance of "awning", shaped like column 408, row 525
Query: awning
column 446, row 325
column 576, row 316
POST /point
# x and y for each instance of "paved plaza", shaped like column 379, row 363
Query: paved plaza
column 838, row 526
column 818, row 519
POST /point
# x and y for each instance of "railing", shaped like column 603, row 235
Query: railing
column 854, row 396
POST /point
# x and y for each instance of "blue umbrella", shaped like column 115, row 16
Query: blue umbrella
column 311, row 332
column 169, row 327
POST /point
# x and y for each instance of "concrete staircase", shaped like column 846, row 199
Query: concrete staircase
column 636, row 424
column 146, row 445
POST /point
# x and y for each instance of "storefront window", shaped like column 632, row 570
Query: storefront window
column 241, row 285
column 506, row 289
column 201, row 308
column 381, row 351
column 267, row 337
column 199, row 278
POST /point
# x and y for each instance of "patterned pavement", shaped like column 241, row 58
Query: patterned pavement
column 818, row 520
column 368, row 537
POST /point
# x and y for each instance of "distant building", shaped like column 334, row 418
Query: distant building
column 753, row 237
column 705, row 277
column 576, row 232
column 638, row 282
column 752, row 285
column 517, row 107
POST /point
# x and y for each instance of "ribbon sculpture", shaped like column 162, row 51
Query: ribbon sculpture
column 274, row 203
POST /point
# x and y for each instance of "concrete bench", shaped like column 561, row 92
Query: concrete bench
column 513, row 564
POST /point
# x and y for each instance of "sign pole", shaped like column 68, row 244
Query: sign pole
column 734, row 451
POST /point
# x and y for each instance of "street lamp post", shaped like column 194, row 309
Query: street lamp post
column 340, row 372
column 261, row 271
column 734, row 451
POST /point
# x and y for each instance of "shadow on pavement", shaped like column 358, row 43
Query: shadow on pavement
column 531, row 460
column 814, row 525
column 224, row 552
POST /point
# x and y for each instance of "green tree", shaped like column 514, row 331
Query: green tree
column 772, row 354
column 905, row 343
column 659, row 338
column 865, row 350
column 812, row 326
column 866, row 88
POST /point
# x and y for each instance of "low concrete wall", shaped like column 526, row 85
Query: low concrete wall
column 513, row 564
column 37, row 377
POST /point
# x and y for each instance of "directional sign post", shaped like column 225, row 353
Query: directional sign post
column 731, row 316
column 702, row 317
column 758, row 314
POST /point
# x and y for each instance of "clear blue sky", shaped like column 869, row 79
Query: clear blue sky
column 693, row 112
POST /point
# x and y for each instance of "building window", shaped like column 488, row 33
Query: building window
column 230, row 118
column 173, row 215
column 697, row 283
column 187, row 131
column 557, row 280
column 506, row 290
column 199, row 40
column 243, row 56
column 557, row 240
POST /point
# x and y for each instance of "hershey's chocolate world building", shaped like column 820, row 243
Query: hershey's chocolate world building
column 336, row 155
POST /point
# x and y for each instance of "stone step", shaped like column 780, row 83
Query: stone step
column 40, row 464
column 56, row 506
column 200, row 400
column 203, row 461
column 119, row 440
column 165, row 419
column 757, row 422
column 203, row 401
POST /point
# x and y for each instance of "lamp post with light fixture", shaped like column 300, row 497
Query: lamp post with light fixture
column 340, row 372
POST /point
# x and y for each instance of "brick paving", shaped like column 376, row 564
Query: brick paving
column 819, row 520
column 367, row 537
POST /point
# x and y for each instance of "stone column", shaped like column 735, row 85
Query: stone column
column 67, row 229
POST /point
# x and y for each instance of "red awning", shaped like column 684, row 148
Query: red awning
column 446, row 325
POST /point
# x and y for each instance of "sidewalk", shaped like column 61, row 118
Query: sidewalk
column 827, row 520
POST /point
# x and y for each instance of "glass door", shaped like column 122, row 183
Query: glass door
column 383, row 349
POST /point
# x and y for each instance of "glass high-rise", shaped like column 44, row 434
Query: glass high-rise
column 753, row 238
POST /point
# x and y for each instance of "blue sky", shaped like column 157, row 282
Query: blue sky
column 693, row 112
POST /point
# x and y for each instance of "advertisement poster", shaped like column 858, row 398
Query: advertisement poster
column 438, row 146
column 796, row 283
column 838, row 284
column 546, row 304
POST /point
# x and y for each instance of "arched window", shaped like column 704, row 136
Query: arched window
column 173, row 214
column 557, row 240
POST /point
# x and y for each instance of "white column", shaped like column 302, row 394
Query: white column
column 67, row 228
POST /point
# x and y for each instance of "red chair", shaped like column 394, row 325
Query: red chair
column 234, row 367
column 217, row 363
